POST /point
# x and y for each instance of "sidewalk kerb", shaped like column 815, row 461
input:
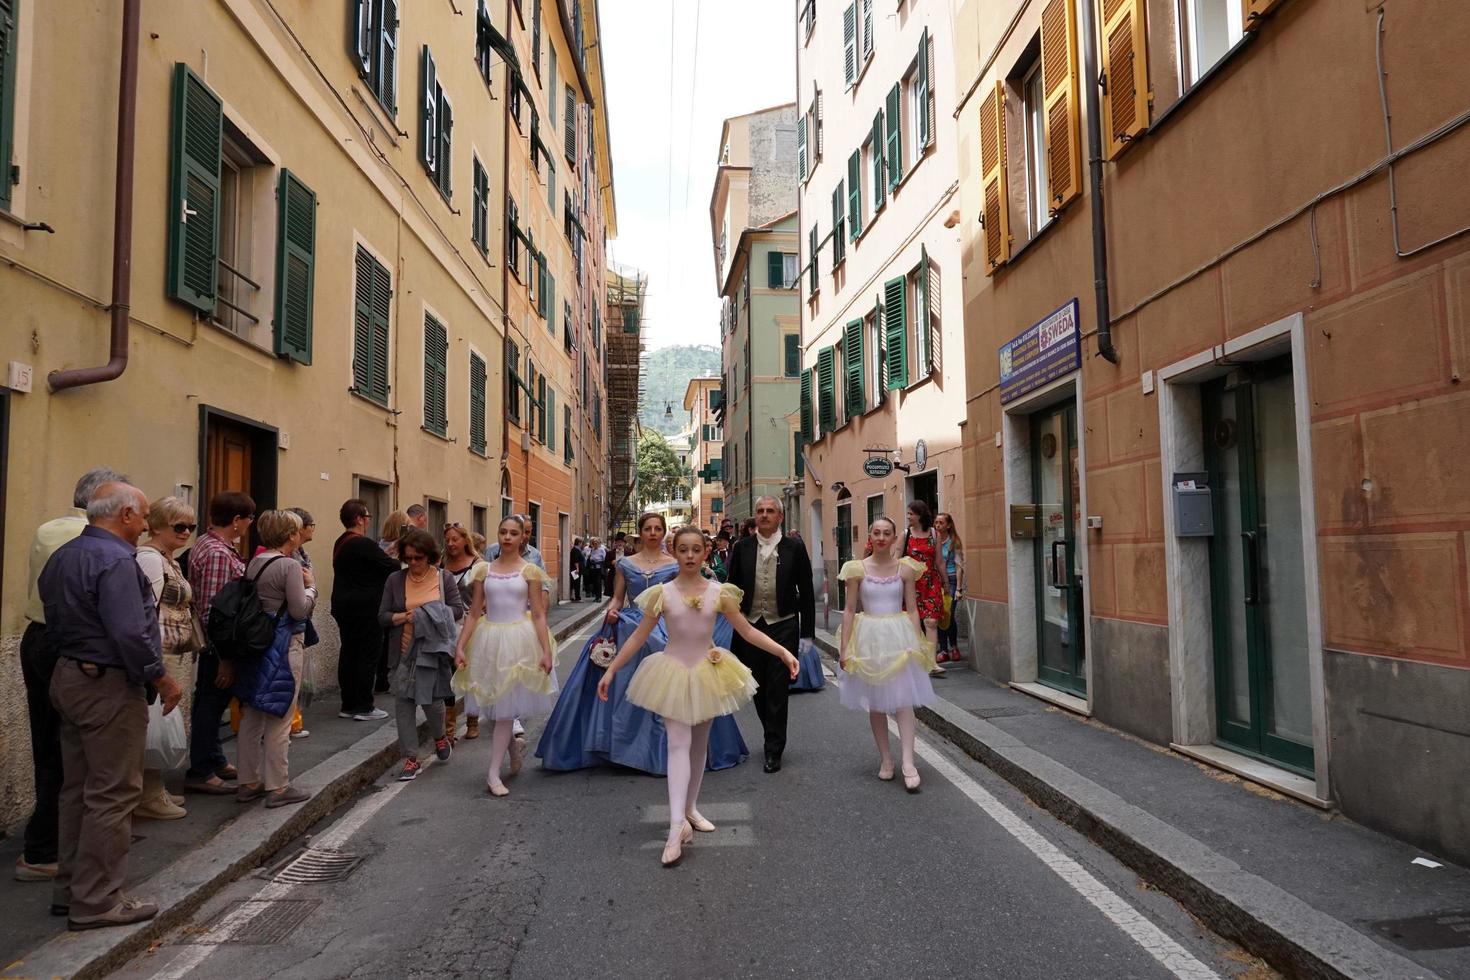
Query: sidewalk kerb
column 239, row 847
column 1265, row 919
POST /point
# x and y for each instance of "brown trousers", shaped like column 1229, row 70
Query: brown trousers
column 104, row 721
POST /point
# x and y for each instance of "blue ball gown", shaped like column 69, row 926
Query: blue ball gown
column 585, row 731
column 810, row 678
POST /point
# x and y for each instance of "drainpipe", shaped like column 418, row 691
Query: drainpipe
column 122, row 215
column 1095, row 179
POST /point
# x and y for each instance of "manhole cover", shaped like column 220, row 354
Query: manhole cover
column 1437, row 930
column 255, row 922
column 315, row 866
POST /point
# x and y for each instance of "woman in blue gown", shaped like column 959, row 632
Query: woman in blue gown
column 811, row 677
column 585, row 731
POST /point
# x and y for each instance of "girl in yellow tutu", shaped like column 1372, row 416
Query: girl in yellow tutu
column 504, row 652
column 885, row 659
column 691, row 682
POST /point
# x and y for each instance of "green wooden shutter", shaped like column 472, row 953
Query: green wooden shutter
column 849, row 44
column 793, row 355
column 806, row 405
column 295, row 267
column 852, row 358
column 553, row 80
column 541, row 407
column 867, row 29
column 536, row 39
column 881, row 391
column 895, row 137
column 839, row 243
column 387, row 66
column 826, row 391
column 570, row 125
column 895, row 334
column 382, row 304
column 922, row 83
column 550, row 304
column 880, row 183
column 8, row 18
column 436, row 370
column 428, row 112
column 775, row 276
column 801, row 148
column 551, row 418
column 361, row 41
column 932, row 317
column 477, row 403
column 855, row 195
column 923, row 362
column 512, row 381
column 812, row 253
column 482, row 210
column 446, row 145
column 362, row 324
column 193, row 238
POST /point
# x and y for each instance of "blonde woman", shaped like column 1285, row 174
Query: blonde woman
column 393, row 528
column 171, row 523
column 268, row 689
column 952, row 563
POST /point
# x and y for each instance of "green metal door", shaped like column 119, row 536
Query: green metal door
column 1257, row 572
column 1061, row 655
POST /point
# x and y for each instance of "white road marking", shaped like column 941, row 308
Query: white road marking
column 716, row 812
column 1172, row 956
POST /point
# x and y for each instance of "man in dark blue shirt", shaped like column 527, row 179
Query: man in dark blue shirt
column 102, row 620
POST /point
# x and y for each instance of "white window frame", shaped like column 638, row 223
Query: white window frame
column 1033, row 116
column 1191, row 67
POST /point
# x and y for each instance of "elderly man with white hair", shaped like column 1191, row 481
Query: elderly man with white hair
column 774, row 573
column 101, row 618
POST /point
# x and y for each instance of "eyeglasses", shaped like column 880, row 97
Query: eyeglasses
column 185, row 528
column 413, row 558
column 454, row 526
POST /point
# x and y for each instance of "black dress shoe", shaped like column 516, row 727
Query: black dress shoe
column 773, row 762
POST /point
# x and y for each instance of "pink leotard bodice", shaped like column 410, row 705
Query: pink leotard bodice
column 882, row 596
column 505, row 596
column 691, row 631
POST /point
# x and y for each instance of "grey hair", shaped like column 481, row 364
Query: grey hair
column 775, row 500
column 106, row 506
column 91, row 480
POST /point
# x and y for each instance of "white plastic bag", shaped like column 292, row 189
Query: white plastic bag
column 167, row 747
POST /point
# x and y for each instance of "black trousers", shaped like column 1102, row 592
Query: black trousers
column 593, row 576
column 206, row 714
column 357, row 660
column 577, row 584
column 773, row 678
column 37, row 662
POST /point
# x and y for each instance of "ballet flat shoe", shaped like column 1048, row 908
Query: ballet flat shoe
column 885, row 773
column 496, row 790
column 911, row 781
column 674, row 853
column 700, row 823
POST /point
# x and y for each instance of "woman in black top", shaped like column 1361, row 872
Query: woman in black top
column 359, row 569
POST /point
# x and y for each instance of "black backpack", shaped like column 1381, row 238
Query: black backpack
column 239, row 626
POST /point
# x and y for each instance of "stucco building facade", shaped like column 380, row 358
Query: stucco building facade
column 754, row 234
column 881, row 314
column 1221, row 510
column 702, row 401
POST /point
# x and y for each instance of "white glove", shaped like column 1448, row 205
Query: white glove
column 807, row 647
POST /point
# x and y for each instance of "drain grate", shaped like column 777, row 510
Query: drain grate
column 255, row 922
column 1437, row 930
column 315, row 866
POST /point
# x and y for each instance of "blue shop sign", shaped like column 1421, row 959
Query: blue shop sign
column 1045, row 352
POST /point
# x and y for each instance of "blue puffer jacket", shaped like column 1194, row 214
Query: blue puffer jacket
column 267, row 684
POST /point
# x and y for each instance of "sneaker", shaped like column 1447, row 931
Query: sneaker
column 286, row 796
column 40, row 871
column 377, row 714
column 517, row 730
column 442, row 749
column 410, row 771
column 349, row 715
column 937, row 671
column 304, row 733
column 125, row 913
column 159, row 808
column 517, row 754
column 249, row 794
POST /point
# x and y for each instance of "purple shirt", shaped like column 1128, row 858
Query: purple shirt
column 99, row 605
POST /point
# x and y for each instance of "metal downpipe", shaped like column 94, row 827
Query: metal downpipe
column 1095, row 181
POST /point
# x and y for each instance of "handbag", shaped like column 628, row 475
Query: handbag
column 605, row 648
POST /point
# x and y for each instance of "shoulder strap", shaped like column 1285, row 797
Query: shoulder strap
column 252, row 579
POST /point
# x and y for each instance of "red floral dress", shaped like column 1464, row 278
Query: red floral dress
column 927, row 590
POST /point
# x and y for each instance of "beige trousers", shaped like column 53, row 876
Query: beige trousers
column 265, row 740
column 104, row 720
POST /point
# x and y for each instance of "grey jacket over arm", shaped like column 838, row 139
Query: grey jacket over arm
column 395, row 601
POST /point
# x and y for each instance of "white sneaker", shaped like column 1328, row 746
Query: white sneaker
column 304, row 733
column 516, row 728
column 346, row 714
column 377, row 714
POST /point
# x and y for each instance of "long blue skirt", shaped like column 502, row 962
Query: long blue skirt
column 584, row 731
column 810, row 677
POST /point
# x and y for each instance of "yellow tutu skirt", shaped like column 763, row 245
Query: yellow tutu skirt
column 695, row 694
column 504, row 672
column 881, row 646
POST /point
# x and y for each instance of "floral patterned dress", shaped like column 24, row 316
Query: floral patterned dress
column 928, row 590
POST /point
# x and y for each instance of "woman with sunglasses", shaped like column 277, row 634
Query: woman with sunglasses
column 171, row 522
column 460, row 558
column 418, row 585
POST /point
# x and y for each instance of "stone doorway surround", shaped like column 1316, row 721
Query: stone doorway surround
column 1020, row 561
column 1187, row 560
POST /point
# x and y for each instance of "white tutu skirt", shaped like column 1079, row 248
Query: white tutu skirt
column 693, row 694
column 503, row 674
column 888, row 665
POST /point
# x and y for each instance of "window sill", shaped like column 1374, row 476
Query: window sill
column 1045, row 230
column 442, row 436
column 224, row 331
column 482, row 453
column 354, row 392
column 1186, row 96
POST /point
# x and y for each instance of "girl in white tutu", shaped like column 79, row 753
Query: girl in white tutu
column 691, row 682
column 504, row 653
column 885, row 659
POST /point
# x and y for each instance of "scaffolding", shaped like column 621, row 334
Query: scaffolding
column 627, row 289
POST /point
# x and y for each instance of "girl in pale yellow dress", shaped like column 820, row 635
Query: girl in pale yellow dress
column 885, row 658
column 691, row 682
column 504, row 654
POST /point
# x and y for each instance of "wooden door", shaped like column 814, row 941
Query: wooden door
column 228, row 464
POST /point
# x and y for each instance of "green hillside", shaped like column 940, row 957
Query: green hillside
column 666, row 374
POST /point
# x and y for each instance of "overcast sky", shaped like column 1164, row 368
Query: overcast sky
column 721, row 58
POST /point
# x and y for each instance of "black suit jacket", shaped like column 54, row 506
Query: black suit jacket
column 794, row 592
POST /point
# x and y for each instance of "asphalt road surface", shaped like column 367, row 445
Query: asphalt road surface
column 820, row 870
